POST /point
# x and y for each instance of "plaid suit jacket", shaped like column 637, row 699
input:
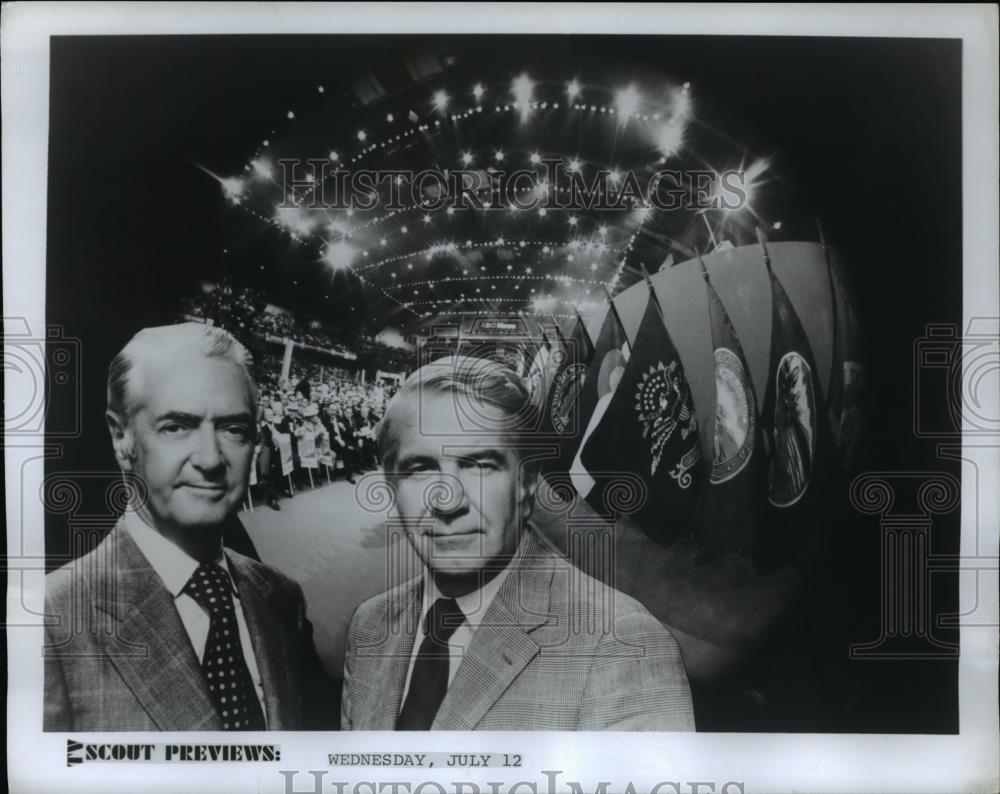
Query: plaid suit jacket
column 556, row 650
column 117, row 657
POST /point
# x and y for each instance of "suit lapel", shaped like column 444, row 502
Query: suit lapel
column 149, row 647
column 269, row 648
column 389, row 657
column 501, row 646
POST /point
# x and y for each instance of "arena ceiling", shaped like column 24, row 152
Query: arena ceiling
column 560, row 146
column 160, row 177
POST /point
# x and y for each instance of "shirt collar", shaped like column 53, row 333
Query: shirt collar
column 172, row 564
column 474, row 604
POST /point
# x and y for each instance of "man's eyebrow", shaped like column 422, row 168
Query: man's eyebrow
column 193, row 419
column 408, row 460
column 179, row 416
column 486, row 453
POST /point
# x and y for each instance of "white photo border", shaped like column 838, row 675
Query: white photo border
column 760, row 762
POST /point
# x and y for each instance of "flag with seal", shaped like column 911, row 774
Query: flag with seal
column 734, row 495
column 561, row 415
column 649, row 428
column 800, row 470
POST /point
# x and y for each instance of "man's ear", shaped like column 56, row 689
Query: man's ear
column 530, row 480
column 121, row 439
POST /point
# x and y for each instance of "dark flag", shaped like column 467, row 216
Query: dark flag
column 648, row 427
column 607, row 362
column 846, row 372
column 561, row 415
column 800, row 473
column 734, row 496
column 610, row 351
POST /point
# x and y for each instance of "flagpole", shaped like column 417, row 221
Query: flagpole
column 763, row 248
column 652, row 294
column 579, row 319
column 711, row 234
column 562, row 339
column 829, row 272
column 621, row 325
column 704, row 268
column 835, row 376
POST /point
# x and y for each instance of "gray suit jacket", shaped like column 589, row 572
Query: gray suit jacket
column 117, row 657
column 556, row 650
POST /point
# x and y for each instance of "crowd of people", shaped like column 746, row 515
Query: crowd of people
column 316, row 426
column 243, row 311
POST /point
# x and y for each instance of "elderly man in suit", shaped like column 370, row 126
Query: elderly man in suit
column 500, row 632
column 160, row 627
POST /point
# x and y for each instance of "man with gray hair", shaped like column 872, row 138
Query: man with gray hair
column 500, row 632
column 160, row 627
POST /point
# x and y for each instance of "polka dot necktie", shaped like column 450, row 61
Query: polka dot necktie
column 429, row 680
column 225, row 669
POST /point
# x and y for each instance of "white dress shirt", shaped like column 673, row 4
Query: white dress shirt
column 473, row 606
column 175, row 567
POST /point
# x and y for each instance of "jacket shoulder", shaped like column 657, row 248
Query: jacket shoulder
column 585, row 595
column 83, row 572
column 380, row 603
column 273, row 576
column 373, row 614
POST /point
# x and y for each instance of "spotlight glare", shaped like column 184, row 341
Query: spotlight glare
column 440, row 100
column 334, row 157
column 573, row 89
column 522, row 89
column 467, row 158
column 233, row 187
column 339, row 255
column 262, row 168
column 574, row 165
column 362, row 135
column 752, row 180
column 627, row 101
column 477, row 91
column 535, row 158
column 682, row 103
column 670, row 138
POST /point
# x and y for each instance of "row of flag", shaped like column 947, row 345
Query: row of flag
column 766, row 491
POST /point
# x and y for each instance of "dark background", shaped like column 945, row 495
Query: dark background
column 865, row 134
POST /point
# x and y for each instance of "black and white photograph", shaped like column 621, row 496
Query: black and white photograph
column 588, row 390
